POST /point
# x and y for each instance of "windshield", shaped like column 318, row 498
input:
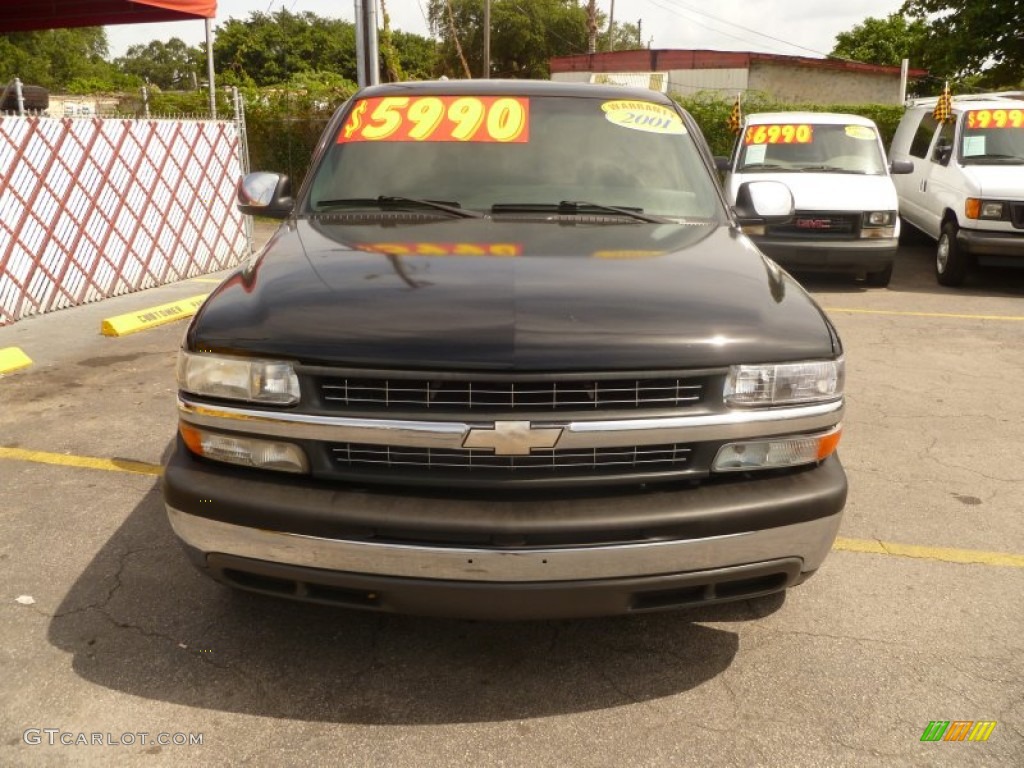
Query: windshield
column 797, row 147
column 504, row 155
column 993, row 137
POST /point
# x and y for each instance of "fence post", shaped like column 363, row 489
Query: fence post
column 243, row 152
column 20, row 96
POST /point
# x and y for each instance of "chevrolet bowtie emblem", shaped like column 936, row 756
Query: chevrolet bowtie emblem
column 512, row 438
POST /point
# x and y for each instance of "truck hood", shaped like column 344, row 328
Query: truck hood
column 524, row 295
column 829, row 191
column 999, row 182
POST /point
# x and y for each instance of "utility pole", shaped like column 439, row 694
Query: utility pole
column 487, row 39
column 592, row 27
column 611, row 27
column 209, row 68
column 640, row 32
column 367, row 49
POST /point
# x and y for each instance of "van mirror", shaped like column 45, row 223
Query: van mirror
column 722, row 163
column 942, row 153
column 901, row 166
column 763, row 202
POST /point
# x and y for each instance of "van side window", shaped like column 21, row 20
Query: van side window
column 945, row 141
column 923, row 136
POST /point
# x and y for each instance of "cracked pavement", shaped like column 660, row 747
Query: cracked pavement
column 848, row 669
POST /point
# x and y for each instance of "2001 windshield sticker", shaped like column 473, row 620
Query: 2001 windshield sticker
column 779, row 134
column 438, row 118
column 643, row 116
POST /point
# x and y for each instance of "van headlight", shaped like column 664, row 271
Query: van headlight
column 878, row 224
column 975, row 208
column 785, row 383
column 238, row 378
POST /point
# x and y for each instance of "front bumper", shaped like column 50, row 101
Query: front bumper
column 517, row 557
column 1002, row 244
column 829, row 255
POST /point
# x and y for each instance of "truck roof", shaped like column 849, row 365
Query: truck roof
column 820, row 118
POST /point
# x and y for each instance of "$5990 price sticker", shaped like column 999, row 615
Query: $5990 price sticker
column 438, row 118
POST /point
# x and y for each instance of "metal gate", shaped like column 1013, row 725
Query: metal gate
column 91, row 208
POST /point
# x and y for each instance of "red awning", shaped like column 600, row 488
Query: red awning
column 19, row 15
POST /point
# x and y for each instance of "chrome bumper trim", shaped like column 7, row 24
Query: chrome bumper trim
column 731, row 425
column 808, row 541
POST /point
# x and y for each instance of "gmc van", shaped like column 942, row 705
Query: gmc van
column 834, row 164
column 967, row 188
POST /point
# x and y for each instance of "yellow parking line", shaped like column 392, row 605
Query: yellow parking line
column 943, row 554
column 87, row 462
column 12, row 359
column 1004, row 318
column 142, row 319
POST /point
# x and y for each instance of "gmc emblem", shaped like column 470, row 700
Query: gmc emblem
column 813, row 224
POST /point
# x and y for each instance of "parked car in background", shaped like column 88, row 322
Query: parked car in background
column 509, row 356
column 966, row 191
column 834, row 164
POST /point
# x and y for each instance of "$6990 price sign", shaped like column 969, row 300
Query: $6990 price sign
column 779, row 134
column 438, row 118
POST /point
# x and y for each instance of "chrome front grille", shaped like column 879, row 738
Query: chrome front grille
column 359, row 393
column 630, row 460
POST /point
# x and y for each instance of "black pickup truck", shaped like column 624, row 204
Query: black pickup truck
column 509, row 356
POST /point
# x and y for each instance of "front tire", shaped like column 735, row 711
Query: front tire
column 951, row 262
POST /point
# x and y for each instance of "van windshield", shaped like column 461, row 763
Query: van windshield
column 993, row 137
column 806, row 147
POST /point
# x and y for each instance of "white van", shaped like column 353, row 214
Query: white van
column 846, row 208
column 967, row 189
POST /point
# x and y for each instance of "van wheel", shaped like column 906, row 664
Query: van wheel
column 881, row 278
column 950, row 262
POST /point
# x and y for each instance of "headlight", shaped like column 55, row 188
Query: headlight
column 879, row 218
column 984, row 209
column 784, row 383
column 238, row 378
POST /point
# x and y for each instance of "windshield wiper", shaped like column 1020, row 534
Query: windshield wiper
column 764, row 167
column 993, row 159
column 397, row 201
column 829, row 169
column 573, row 207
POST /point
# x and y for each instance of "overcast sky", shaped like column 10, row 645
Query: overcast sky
column 793, row 27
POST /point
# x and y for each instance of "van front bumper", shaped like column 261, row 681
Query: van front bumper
column 981, row 243
column 829, row 255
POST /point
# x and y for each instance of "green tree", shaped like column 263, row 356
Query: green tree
column 268, row 49
column 886, row 41
column 169, row 65
column 525, row 34
column 979, row 38
column 55, row 58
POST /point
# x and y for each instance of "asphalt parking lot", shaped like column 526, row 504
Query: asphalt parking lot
column 917, row 616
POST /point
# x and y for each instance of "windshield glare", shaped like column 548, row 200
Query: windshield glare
column 575, row 149
column 811, row 147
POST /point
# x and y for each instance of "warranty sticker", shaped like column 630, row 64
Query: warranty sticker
column 861, row 132
column 643, row 116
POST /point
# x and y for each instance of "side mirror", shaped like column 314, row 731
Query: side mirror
column 901, row 166
column 763, row 203
column 722, row 163
column 265, row 194
column 942, row 154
